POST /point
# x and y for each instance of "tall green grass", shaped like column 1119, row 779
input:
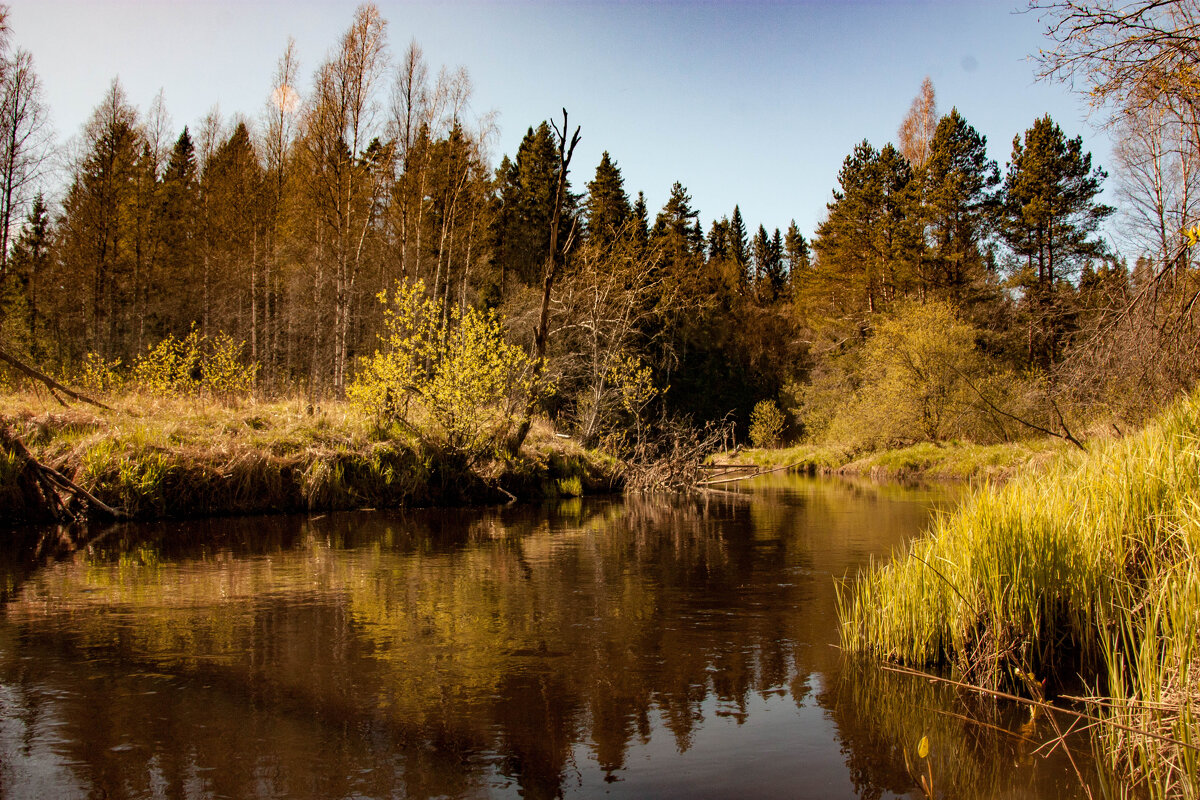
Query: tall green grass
column 1088, row 566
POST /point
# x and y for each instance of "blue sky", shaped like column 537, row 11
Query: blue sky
column 748, row 103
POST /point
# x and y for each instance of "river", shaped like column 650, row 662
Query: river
column 639, row 647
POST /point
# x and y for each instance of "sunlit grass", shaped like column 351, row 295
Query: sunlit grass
column 954, row 460
column 1086, row 566
column 155, row 456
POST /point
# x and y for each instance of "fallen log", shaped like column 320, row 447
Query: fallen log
column 51, row 384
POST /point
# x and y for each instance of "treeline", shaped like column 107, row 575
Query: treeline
column 939, row 297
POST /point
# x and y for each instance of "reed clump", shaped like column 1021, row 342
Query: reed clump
column 1085, row 566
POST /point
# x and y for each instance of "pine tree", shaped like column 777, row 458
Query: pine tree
column 958, row 192
column 1048, row 219
column 607, row 206
column 870, row 244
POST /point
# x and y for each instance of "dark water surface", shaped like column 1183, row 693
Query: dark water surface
column 636, row 648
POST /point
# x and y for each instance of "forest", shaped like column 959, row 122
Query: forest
column 354, row 238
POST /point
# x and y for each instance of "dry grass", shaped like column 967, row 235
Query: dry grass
column 158, row 457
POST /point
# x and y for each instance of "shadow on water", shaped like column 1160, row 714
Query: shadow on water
column 644, row 647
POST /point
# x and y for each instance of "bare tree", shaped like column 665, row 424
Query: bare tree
column 917, row 129
column 211, row 135
column 279, row 135
column 609, row 298
column 340, row 123
column 1146, row 51
column 554, row 263
column 24, row 144
column 1157, row 171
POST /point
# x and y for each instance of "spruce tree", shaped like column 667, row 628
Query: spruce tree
column 641, row 221
column 739, row 246
column 179, row 236
column 796, row 251
column 527, row 206
column 760, row 249
column 776, row 276
column 23, row 290
column 607, row 205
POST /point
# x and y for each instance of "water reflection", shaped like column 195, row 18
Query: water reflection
column 636, row 648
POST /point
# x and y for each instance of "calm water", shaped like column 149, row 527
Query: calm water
column 641, row 648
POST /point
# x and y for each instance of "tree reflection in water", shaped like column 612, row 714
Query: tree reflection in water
column 461, row 653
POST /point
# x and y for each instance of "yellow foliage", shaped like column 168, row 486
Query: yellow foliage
column 914, row 375
column 98, row 376
column 453, row 362
column 767, row 422
column 635, row 380
column 193, row 365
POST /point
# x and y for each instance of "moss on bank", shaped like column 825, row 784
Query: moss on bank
column 177, row 458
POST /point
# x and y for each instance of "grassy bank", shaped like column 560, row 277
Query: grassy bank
column 170, row 458
column 954, row 460
column 1088, row 567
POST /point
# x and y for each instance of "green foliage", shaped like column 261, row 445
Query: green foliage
column 194, row 365
column 767, row 423
column 447, row 374
column 914, row 378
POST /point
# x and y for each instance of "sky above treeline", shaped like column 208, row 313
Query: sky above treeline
column 750, row 103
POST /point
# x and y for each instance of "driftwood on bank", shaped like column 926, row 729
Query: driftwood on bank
column 673, row 459
column 749, row 475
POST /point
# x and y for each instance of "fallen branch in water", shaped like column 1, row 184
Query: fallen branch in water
column 1041, row 704
column 747, row 477
column 45, row 486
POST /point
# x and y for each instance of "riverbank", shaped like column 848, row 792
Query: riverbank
column 1086, row 570
column 155, row 457
column 962, row 461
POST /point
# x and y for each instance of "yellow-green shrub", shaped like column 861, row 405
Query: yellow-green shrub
column 454, row 363
column 193, row 365
column 767, row 422
column 97, row 375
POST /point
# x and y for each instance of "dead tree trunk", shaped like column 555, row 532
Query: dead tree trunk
column 554, row 262
column 51, row 384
